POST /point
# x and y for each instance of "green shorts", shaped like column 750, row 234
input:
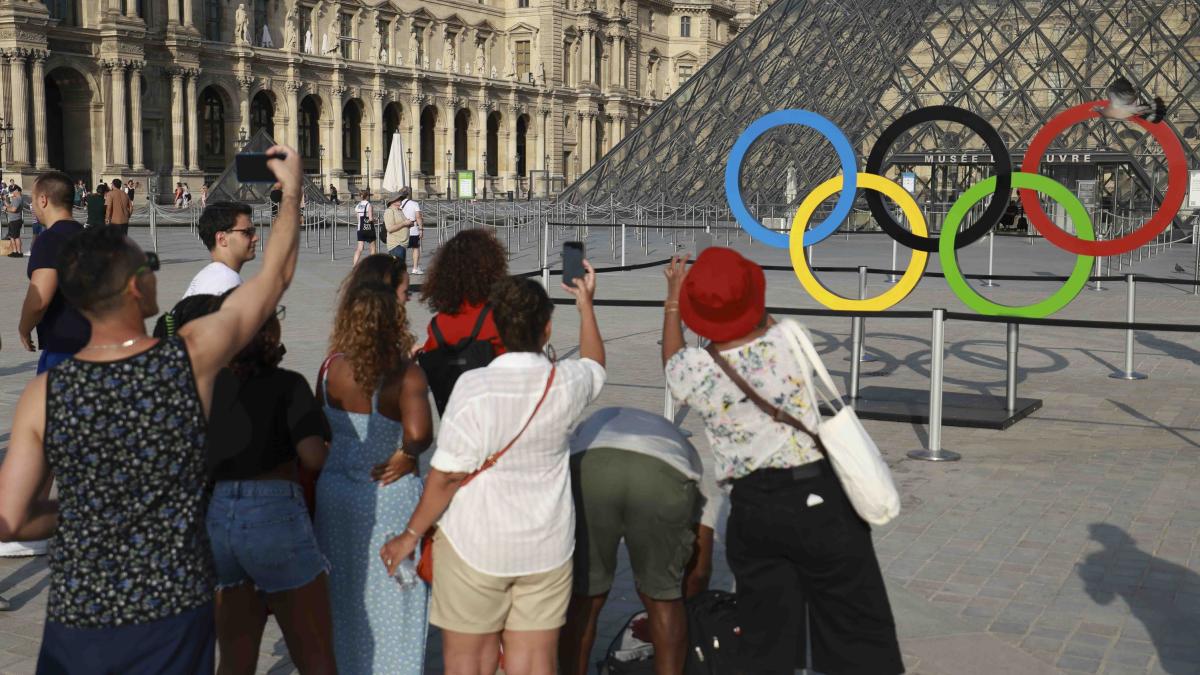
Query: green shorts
column 655, row 508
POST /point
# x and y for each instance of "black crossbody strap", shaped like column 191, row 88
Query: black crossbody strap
column 479, row 322
column 437, row 333
column 777, row 414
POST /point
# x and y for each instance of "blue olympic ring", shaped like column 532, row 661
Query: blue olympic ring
column 733, row 170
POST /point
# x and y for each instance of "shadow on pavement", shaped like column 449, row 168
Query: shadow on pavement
column 1171, row 618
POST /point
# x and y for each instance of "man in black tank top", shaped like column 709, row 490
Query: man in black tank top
column 122, row 425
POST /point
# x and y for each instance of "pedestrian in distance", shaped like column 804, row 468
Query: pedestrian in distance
column 503, row 547
column 377, row 402
column 366, row 235
column 95, row 206
column 14, row 203
column 795, row 544
column 122, row 426
column 118, row 209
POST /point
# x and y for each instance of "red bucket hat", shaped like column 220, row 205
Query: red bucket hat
column 723, row 296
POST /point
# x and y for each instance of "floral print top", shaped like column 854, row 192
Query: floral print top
column 742, row 437
column 125, row 440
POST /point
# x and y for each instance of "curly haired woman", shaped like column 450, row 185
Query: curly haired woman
column 377, row 404
column 461, row 278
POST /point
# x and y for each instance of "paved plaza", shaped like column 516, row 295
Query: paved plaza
column 1068, row 543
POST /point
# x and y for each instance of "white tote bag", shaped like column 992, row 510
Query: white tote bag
column 854, row 456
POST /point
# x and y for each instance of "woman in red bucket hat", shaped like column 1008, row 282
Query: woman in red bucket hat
column 793, row 539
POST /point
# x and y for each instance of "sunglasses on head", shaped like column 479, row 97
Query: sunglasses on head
column 151, row 265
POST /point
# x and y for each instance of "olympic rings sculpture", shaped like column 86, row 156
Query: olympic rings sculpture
column 1027, row 181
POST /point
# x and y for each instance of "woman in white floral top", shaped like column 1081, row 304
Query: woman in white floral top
column 793, row 537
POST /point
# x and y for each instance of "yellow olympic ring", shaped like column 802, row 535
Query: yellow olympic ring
column 916, row 266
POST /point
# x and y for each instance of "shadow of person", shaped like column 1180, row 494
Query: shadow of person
column 1153, row 590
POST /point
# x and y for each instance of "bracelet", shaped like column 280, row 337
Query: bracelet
column 409, row 530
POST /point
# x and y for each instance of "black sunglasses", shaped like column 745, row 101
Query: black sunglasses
column 249, row 231
column 152, row 264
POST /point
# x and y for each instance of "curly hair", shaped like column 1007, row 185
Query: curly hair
column 464, row 270
column 368, row 314
column 522, row 309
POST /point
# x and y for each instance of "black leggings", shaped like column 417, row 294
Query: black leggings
column 786, row 554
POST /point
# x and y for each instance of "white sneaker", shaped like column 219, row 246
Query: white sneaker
column 23, row 549
column 418, row 270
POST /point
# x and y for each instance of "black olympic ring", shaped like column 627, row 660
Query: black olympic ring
column 1003, row 161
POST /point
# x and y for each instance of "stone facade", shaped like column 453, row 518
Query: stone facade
column 520, row 91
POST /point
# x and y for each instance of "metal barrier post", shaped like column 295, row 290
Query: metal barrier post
column 863, row 357
column 855, row 355
column 991, row 250
column 1196, row 244
column 1129, row 373
column 1098, row 272
column 891, row 277
column 935, row 453
column 1010, row 380
column 546, row 256
column 622, row 244
column 153, row 219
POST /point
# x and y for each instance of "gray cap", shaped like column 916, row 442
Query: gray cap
column 402, row 193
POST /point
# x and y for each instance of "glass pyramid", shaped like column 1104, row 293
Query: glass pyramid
column 227, row 188
column 863, row 64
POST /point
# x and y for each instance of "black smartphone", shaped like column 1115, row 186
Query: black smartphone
column 252, row 167
column 572, row 261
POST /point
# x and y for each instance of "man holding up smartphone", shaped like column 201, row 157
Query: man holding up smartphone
column 133, row 470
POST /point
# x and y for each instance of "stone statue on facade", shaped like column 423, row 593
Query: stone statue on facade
column 512, row 60
column 241, row 25
column 308, row 43
column 291, row 40
column 332, row 38
column 377, row 48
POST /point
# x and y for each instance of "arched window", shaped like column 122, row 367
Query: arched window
column 428, row 126
column 212, row 20
column 462, row 122
column 262, row 115
column 65, row 11
column 310, row 135
column 522, row 129
column 352, row 138
column 391, row 124
column 493, row 145
column 212, row 130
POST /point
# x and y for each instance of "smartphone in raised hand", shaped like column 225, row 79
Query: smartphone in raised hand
column 572, row 261
column 252, row 167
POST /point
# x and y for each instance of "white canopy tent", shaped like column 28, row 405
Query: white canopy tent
column 395, row 174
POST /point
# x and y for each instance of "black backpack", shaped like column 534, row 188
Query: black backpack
column 713, row 634
column 445, row 364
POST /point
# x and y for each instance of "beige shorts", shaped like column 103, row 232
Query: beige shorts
column 466, row 600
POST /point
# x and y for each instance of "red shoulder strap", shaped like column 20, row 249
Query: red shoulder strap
column 491, row 461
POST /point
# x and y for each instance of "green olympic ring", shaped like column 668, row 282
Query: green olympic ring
column 949, row 258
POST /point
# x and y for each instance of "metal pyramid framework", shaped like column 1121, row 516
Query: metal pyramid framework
column 864, row 63
column 227, row 188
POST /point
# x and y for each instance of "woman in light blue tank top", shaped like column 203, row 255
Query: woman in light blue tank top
column 377, row 404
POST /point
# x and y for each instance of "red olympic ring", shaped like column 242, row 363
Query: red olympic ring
column 1176, row 185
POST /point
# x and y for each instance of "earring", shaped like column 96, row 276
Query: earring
column 550, row 353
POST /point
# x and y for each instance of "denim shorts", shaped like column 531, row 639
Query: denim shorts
column 261, row 534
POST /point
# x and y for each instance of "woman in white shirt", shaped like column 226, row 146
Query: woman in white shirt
column 503, row 548
column 793, row 542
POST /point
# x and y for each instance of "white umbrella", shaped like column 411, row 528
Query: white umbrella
column 395, row 175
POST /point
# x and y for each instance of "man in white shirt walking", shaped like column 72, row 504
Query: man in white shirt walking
column 226, row 230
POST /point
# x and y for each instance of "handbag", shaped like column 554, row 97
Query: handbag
column 841, row 438
column 425, row 564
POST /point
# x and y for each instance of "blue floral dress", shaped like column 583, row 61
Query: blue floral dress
column 377, row 627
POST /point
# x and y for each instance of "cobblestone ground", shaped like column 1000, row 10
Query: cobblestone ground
column 1067, row 542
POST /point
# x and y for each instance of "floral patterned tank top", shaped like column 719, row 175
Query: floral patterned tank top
column 125, row 440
